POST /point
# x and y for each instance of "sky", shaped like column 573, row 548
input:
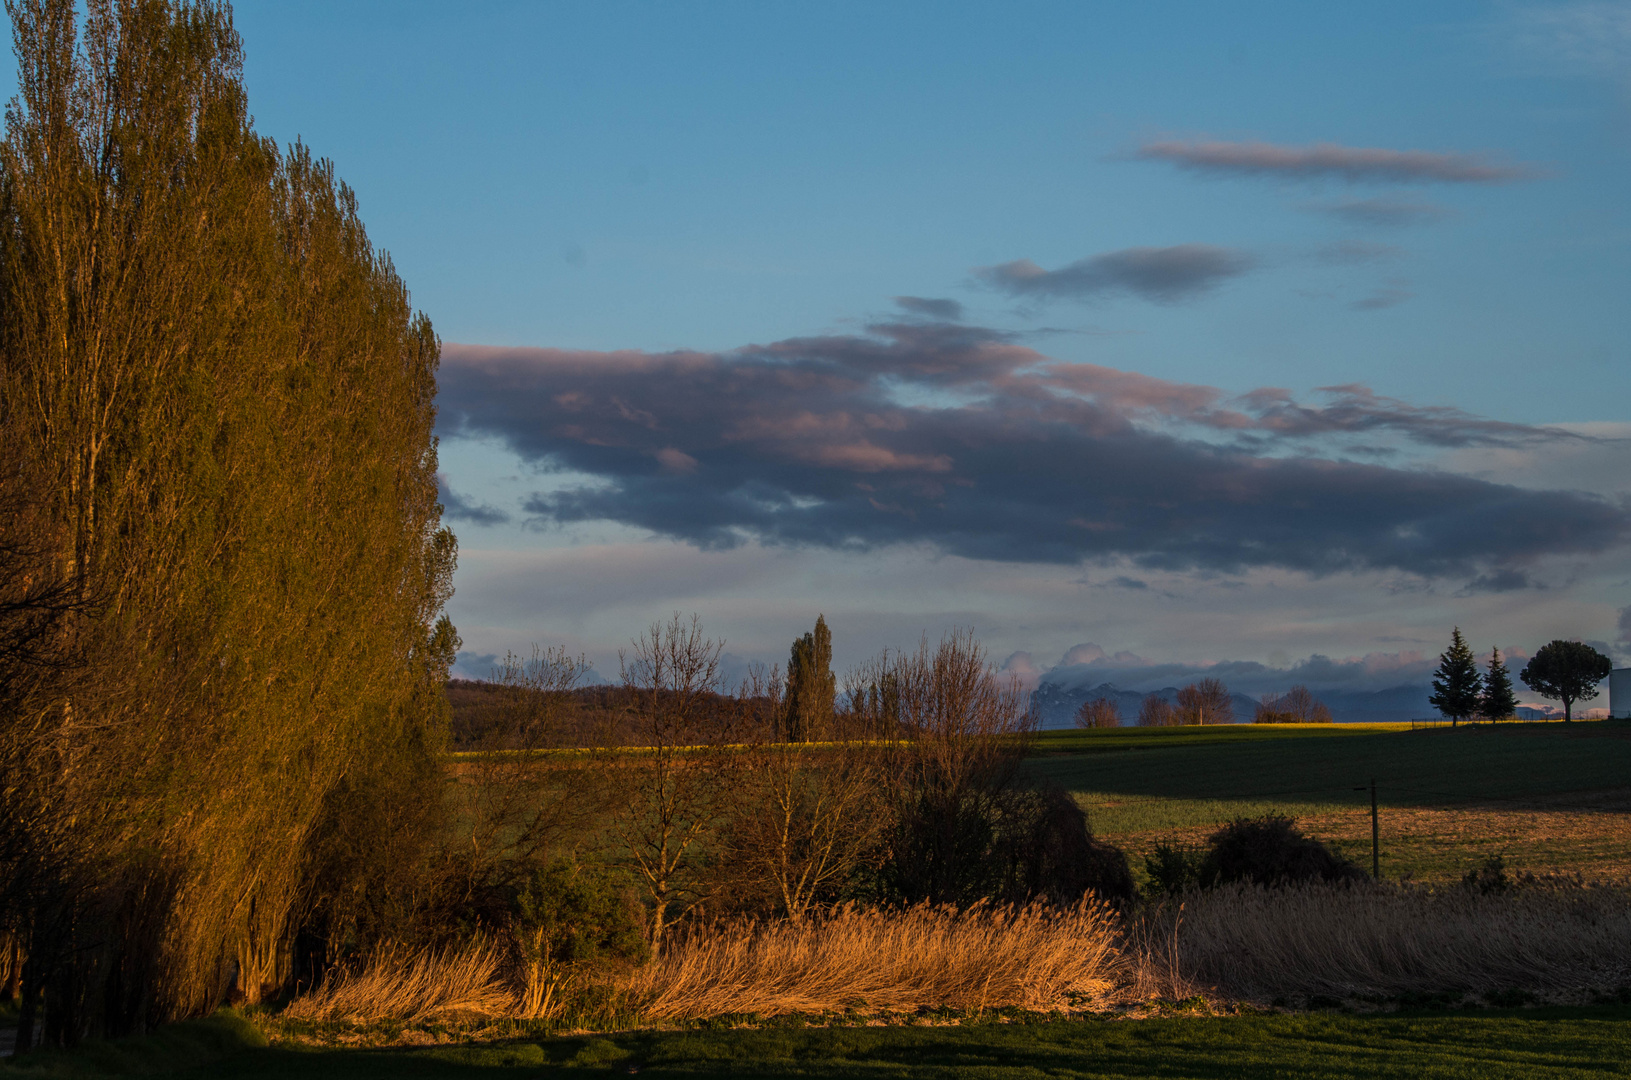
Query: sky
column 1160, row 335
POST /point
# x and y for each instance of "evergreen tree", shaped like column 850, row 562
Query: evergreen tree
column 811, row 686
column 1456, row 684
column 1497, row 701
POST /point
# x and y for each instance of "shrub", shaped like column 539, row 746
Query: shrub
column 1052, row 855
column 1174, row 869
column 1271, row 850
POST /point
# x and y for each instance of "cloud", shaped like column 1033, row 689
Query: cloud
column 1625, row 625
column 1321, row 160
column 1385, row 297
column 1166, row 275
column 961, row 438
column 949, row 310
column 456, row 507
column 1383, row 211
column 1593, row 37
column 1503, row 580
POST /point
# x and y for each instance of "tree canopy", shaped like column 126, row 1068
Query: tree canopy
column 217, row 404
column 1566, row 670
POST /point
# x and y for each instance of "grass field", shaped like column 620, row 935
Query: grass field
column 1549, row 797
column 1542, row 1043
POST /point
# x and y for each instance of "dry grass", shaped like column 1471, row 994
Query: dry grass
column 1250, row 942
column 410, row 986
column 1034, row 957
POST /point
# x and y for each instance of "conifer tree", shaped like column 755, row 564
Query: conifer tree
column 811, row 686
column 1456, row 684
column 1497, row 701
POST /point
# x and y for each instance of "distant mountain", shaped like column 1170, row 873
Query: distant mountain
column 1057, row 703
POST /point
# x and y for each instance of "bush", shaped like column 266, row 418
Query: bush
column 1271, row 850
column 1174, row 869
column 573, row 917
column 1052, row 855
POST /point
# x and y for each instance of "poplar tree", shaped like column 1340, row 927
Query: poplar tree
column 1497, row 701
column 811, row 686
column 1456, row 684
column 218, row 401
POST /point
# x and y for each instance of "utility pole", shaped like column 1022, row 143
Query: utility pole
column 1375, row 835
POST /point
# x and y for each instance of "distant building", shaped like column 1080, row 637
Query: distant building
column 1619, row 693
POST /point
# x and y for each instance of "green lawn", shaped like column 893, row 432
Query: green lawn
column 1556, row 794
column 1536, row 1044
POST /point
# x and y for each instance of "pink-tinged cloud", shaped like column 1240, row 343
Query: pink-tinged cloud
column 1351, row 163
column 830, row 441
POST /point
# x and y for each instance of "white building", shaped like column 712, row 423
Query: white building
column 1619, row 694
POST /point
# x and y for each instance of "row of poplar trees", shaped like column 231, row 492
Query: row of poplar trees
column 221, row 561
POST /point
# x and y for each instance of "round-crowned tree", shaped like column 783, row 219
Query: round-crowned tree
column 1566, row 670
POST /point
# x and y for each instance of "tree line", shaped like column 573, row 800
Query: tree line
column 1567, row 671
column 1206, row 701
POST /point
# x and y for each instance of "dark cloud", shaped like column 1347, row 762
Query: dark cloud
column 1130, row 583
column 1350, row 163
column 949, row 310
column 456, row 507
column 831, row 441
column 1383, row 211
column 1505, row 579
column 1166, row 275
column 1625, row 625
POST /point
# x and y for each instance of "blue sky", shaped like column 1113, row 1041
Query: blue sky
column 1123, row 187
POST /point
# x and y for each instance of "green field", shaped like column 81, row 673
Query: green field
column 1548, row 796
column 1541, row 1043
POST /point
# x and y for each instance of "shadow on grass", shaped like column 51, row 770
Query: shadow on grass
column 1583, row 1042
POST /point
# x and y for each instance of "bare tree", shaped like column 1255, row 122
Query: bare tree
column 1156, row 712
column 1296, row 706
column 805, row 817
column 1205, row 702
column 675, row 788
column 1100, row 712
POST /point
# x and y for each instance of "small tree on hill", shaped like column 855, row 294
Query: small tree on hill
column 1296, row 706
column 1156, row 712
column 1456, row 684
column 1568, row 671
column 1497, row 702
column 1205, row 702
column 1100, row 712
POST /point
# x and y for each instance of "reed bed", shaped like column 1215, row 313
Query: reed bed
column 409, row 986
column 852, row 957
column 1249, row 942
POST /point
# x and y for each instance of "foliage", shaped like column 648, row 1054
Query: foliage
column 1173, row 868
column 811, row 685
column 572, row 915
column 217, row 405
column 1270, row 850
column 1566, row 670
column 1100, row 712
column 1205, row 702
column 1496, row 701
column 1456, row 683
